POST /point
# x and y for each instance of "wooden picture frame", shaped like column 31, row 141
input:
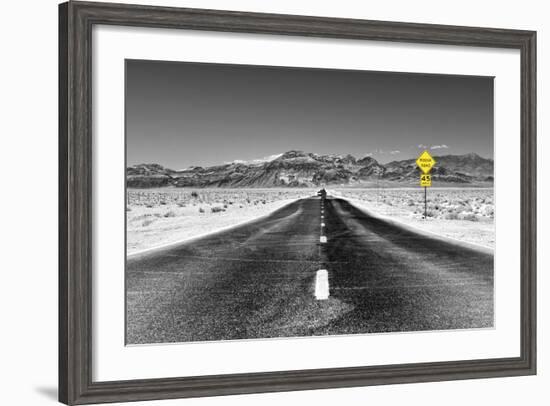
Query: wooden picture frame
column 76, row 20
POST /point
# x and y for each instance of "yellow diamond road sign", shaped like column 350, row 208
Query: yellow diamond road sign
column 425, row 162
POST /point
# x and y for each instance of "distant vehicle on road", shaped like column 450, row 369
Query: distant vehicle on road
column 322, row 193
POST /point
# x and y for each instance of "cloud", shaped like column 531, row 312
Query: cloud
column 442, row 146
column 367, row 154
column 395, row 152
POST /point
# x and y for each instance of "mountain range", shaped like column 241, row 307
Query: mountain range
column 305, row 169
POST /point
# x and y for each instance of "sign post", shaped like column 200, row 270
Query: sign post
column 425, row 162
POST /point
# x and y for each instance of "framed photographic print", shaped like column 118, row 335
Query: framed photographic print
column 256, row 202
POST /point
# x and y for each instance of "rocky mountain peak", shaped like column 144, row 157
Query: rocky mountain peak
column 293, row 154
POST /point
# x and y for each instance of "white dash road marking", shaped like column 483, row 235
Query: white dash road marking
column 321, row 285
column 322, row 224
column 323, row 239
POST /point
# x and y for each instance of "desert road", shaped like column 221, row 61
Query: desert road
column 314, row 267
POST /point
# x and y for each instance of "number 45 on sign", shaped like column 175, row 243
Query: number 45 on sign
column 425, row 180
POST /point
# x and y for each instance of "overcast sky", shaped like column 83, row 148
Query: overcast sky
column 183, row 114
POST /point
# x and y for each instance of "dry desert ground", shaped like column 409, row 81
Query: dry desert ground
column 156, row 217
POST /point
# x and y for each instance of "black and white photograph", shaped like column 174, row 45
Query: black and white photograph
column 272, row 202
column 291, row 202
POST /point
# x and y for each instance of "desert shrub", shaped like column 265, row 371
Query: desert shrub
column 128, row 209
column 469, row 217
column 488, row 210
column 150, row 206
column 201, row 210
column 147, row 222
column 217, row 209
column 170, row 214
column 194, row 195
column 141, row 217
column 451, row 215
column 182, row 204
column 162, row 202
column 225, row 206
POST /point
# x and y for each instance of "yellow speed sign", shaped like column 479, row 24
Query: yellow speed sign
column 425, row 180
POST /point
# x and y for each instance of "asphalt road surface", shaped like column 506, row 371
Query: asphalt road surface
column 262, row 280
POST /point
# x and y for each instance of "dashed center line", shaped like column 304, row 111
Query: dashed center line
column 321, row 278
column 321, row 285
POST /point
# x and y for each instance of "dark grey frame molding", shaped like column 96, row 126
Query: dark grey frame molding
column 76, row 20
